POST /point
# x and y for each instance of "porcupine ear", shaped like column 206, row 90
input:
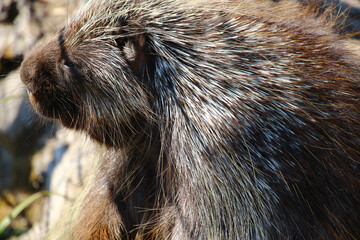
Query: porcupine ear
column 135, row 53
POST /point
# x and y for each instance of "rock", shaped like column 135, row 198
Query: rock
column 64, row 162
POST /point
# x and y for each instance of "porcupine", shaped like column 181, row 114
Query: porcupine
column 222, row 119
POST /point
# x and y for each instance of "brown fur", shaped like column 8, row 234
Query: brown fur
column 222, row 120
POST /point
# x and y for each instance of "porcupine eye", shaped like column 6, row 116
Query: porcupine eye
column 69, row 65
column 71, row 69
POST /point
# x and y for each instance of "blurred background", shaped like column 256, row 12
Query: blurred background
column 37, row 155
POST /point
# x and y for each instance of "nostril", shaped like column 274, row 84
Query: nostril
column 30, row 87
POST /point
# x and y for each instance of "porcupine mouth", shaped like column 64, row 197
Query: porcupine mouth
column 43, row 107
column 45, row 104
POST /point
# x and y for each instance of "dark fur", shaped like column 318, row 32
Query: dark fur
column 223, row 120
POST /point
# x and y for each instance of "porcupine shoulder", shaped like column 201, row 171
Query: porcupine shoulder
column 223, row 120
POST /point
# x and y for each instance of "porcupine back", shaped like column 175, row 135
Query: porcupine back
column 223, row 120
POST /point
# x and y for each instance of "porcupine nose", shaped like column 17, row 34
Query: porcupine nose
column 28, row 73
